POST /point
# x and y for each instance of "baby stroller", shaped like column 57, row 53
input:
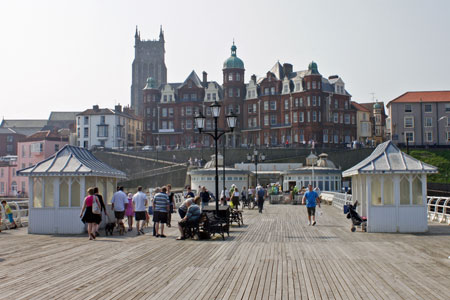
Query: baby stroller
column 350, row 210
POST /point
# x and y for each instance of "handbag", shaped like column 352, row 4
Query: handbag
column 95, row 206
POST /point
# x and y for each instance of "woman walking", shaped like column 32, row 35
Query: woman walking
column 235, row 199
column 129, row 212
column 172, row 204
column 98, row 217
column 88, row 217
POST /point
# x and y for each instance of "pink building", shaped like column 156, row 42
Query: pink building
column 34, row 149
column 8, row 179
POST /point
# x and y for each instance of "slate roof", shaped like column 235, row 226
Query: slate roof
column 72, row 161
column 388, row 159
column 100, row 111
column 63, row 115
column 424, row 96
column 31, row 123
column 195, row 79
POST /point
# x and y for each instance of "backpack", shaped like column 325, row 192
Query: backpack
column 261, row 193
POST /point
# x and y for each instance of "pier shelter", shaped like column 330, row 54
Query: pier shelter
column 391, row 188
column 58, row 186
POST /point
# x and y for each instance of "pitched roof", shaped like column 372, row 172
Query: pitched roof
column 360, row 107
column 278, row 71
column 424, row 96
column 46, row 135
column 31, row 123
column 72, row 161
column 195, row 79
column 100, row 111
column 63, row 115
column 7, row 131
column 388, row 159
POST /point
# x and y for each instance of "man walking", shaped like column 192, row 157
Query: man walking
column 161, row 206
column 205, row 196
column 139, row 204
column 260, row 192
column 119, row 203
column 312, row 199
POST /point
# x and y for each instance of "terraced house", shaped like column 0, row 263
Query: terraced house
column 420, row 118
column 282, row 108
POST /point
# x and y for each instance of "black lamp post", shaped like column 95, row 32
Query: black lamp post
column 216, row 134
column 256, row 157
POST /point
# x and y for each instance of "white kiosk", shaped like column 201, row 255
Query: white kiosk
column 391, row 188
column 58, row 186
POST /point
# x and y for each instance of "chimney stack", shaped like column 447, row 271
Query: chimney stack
column 205, row 78
column 95, row 108
column 118, row 108
column 254, row 78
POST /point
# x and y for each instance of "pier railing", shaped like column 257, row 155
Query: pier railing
column 439, row 209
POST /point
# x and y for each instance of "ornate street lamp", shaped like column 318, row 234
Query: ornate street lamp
column 256, row 158
column 216, row 135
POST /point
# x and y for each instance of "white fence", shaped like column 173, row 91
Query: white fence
column 439, row 209
column 337, row 199
column 20, row 214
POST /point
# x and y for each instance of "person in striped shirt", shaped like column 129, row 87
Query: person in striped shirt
column 161, row 206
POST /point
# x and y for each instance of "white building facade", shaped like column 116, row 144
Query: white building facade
column 104, row 127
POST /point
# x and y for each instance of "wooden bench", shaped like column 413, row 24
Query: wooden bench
column 236, row 216
column 212, row 224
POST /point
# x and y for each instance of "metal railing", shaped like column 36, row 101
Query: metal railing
column 337, row 199
column 19, row 211
column 439, row 209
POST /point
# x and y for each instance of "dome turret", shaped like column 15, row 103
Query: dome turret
column 377, row 105
column 151, row 84
column 313, row 68
column 233, row 62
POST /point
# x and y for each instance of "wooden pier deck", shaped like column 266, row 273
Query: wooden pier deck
column 274, row 256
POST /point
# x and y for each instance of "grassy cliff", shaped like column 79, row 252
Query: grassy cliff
column 438, row 158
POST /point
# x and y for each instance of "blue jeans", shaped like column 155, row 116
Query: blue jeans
column 204, row 204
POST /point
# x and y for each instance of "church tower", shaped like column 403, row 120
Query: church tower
column 148, row 62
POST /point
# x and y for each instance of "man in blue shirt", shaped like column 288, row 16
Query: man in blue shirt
column 312, row 198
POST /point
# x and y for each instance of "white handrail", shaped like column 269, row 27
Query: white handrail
column 20, row 214
column 439, row 209
column 338, row 200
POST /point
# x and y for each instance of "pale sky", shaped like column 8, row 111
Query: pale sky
column 68, row 55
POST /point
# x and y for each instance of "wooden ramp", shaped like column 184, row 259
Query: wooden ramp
column 274, row 256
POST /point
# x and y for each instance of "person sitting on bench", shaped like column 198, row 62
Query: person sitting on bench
column 191, row 218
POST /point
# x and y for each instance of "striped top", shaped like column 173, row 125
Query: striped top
column 161, row 200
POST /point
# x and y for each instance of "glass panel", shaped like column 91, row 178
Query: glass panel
column 101, row 184
column 388, row 193
column 110, row 189
column 376, row 191
column 37, row 193
column 49, row 196
column 327, row 185
column 75, row 193
column 417, row 191
column 63, row 193
column 90, row 182
column 404, row 191
column 320, row 185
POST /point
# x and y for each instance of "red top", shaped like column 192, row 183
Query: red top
column 89, row 200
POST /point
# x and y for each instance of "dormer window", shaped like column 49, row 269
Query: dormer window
column 230, row 77
column 297, row 86
column 238, row 77
column 314, row 85
column 214, row 96
column 346, row 104
column 308, row 85
column 285, row 88
column 272, row 90
column 190, row 84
